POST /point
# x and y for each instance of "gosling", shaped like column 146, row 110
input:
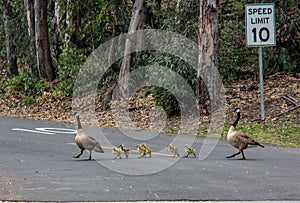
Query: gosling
column 84, row 141
column 117, row 151
column 189, row 150
column 148, row 149
column 238, row 139
column 173, row 149
column 126, row 151
column 141, row 150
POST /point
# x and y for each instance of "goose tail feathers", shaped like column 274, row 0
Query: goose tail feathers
column 98, row 149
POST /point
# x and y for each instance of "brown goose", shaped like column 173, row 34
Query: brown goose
column 238, row 139
column 84, row 141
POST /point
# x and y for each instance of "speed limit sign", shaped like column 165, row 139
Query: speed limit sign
column 260, row 24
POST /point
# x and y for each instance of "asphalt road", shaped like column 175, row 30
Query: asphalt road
column 38, row 165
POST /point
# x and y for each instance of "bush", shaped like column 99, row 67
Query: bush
column 27, row 84
column 68, row 66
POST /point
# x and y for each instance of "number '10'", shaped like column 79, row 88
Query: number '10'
column 260, row 34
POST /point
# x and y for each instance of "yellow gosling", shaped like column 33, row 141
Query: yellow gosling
column 189, row 150
column 174, row 150
column 126, row 151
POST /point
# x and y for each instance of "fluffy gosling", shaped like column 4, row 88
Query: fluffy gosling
column 117, row 151
column 141, row 150
column 126, row 151
column 173, row 149
column 84, row 141
column 189, row 150
column 148, row 149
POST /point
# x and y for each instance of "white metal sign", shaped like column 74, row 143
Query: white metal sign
column 260, row 24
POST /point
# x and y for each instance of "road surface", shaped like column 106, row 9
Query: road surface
column 36, row 164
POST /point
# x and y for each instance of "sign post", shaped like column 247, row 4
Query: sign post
column 260, row 31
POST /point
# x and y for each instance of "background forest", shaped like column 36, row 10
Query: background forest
column 75, row 28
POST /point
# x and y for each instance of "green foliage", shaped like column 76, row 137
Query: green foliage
column 285, row 57
column 68, row 66
column 168, row 80
column 21, row 38
column 27, row 84
column 237, row 60
column 166, row 100
column 178, row 16
column 28, row 100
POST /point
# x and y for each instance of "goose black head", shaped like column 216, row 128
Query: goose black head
column 75, row 113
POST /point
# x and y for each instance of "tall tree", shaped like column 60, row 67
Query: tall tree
column 44, row 61
column 29, row 9
column 140, row 15
column 56, row 39
column 208, row 45
column 9, row 38
column 29, row 6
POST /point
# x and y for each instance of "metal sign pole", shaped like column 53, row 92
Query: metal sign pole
column 261, row 83
column 261, row 31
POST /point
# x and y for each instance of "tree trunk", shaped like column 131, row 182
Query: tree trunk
column 29, row 9
column 44, row 61
column 69, row 21
column 9, row 38
column 57, row 42
column 138, row 20
column 29, row 5
column 208, row 45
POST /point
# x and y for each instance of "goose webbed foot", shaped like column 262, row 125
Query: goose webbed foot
column 228, row 157
column 76, row 157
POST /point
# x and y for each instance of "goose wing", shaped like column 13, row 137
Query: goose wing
column 245, row 138
column 88, row 141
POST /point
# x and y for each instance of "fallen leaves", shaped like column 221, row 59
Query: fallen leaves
column 145, row 115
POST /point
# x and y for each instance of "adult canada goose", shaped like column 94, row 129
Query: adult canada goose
column 189, row 150
column 126, row 151
column 238, row 139
column 173, row 150
column 84, row 141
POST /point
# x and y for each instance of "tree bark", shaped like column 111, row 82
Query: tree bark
column 208, row 46
column 29, row 9
column 57, row 42
column 12, row 66
column 44, row 61
column 138, row 20
column 69, row 21
column 29, row 5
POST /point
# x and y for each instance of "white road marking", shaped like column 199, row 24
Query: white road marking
column 47, row 131
column 58, row 130
column 32, row 131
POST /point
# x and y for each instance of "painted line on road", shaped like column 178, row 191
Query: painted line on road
column 32, row 131
column 58, row 130
column 47, row 131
